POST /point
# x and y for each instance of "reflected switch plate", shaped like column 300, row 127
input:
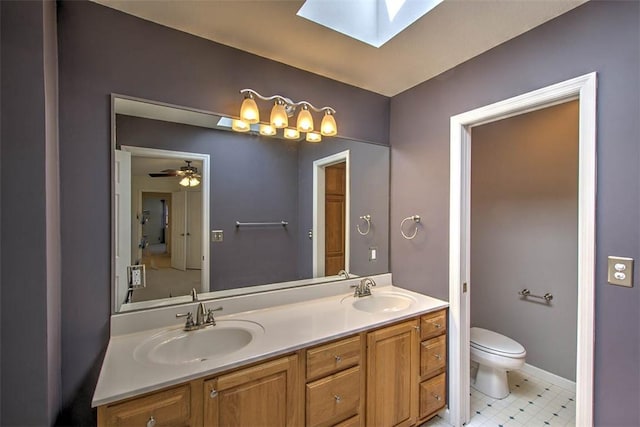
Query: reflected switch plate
column 620, row 271
column 217, row 236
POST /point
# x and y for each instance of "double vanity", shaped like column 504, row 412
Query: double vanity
column 317, row 355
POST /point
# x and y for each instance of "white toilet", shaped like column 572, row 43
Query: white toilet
column 495, row 355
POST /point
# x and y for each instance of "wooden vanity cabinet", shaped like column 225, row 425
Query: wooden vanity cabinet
column 433, row 364
column 265, row 394
column 392, row 374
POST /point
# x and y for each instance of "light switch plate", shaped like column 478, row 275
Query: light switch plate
column 620, row 271
column 373, row 254
column 217, row 236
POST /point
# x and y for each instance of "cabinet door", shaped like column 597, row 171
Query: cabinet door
column 263, row 395
column 392, row 374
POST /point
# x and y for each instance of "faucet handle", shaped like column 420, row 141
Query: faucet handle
column 210, row 312
column 189, row 323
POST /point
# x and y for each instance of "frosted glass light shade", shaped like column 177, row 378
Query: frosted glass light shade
column 279, row 118
column 328, row 126
column 249, row 111
column 291, row 133
column 240, row 126
column 305, row 120
column 313, row 137
column 267, row 130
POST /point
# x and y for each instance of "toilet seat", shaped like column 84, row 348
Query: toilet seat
column 494, row 343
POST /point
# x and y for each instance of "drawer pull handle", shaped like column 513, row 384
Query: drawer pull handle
column 437, row 325
column 151, row 422
column 417, row 328
column 213, row 393
column 437, row 356
column 337, row 398
column 436, row 396
column 338, row 359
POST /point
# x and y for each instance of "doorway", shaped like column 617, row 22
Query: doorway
column 331, row 209
column 582, row 89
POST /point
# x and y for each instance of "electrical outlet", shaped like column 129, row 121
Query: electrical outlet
column 620, row 271
column 136, row 276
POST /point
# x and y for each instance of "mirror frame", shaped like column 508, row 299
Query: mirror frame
column 203, row 116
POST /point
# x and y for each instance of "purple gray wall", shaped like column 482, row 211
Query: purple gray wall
column 524, row 232
column 103, row 51
column 30, row 334
column 597, row 36
column 253, row 179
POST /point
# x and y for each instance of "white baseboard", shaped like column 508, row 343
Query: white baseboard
column 549, row 377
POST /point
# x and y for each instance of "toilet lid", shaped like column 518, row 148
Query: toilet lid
column 494, row 342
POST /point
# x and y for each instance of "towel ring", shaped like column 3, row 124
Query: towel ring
column 367, row 219
column 416, row 220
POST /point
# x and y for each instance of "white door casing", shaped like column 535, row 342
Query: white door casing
column 194, row 231
column 582, row 88
column 122, row 223
column 178, row 221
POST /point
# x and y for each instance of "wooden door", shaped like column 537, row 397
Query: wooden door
column 179, row 230
column 194, row 230
column 264, row 395
column 392, row 375
column 335, row 199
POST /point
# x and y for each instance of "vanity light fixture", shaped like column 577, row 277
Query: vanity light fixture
column 291, row 133
column 313, row 137
column 282, row 109
column 267, row 130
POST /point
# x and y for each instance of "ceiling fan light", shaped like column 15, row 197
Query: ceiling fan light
column 184, row 181
column 267, row 130
column 328, row 126
column 305, row 120
column 313, row 137
column 291, row 133
column 193, row 181
column 240, row 125
column 249, row 110
column 279, row 118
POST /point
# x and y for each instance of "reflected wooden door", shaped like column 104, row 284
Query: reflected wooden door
column 335, row 198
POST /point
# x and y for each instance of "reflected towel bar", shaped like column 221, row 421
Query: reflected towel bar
column 527, row 293
column 244, row 224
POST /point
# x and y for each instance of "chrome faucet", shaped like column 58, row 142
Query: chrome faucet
column 204, row 317
column 363, row 289
column 194, row 294
column 344, row 273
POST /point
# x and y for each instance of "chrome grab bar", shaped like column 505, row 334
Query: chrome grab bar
column 527, row 293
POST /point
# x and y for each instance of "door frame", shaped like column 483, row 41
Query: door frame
column 205, row 183
column 318, row 231
column 583, row 89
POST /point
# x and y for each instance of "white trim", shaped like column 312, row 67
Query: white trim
column 549, row 377
column 582, row 88
column 205, row 172
column 318, row 210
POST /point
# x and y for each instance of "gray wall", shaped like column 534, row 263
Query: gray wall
column 597, row 36
column 524, row 232
column 253, row 179
column 103, row 51
column 30, row 279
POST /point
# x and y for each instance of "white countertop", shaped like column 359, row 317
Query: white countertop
column 286, row 328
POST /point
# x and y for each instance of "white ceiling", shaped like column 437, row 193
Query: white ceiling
column 452, row 33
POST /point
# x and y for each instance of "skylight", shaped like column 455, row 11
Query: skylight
column 374, row 22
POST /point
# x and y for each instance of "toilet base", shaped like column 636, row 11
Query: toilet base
column 492, row 382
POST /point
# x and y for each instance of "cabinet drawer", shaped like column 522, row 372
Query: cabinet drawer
column 334, row 398
column 169, row 407
column 433, row 324
column 433, row 355
column 432, row 395
column 351, row 422
column 330, row 358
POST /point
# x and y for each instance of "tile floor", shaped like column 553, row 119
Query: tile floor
column 531, row 402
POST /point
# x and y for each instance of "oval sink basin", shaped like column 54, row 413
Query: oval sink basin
column 381, row 302
column 176, row 347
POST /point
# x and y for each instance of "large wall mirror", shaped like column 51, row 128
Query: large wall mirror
column 225, row 213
